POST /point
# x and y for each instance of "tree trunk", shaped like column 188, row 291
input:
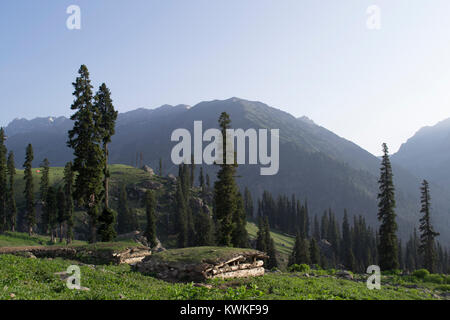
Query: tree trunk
column 106, row 182
column 60, row 232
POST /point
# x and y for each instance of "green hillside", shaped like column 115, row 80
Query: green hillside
column 24, row 278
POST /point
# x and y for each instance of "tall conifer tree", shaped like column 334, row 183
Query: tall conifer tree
column 388, row 246
column 30, row 214
column 225, row 189
column 85, row 139
column 427, row 234
column 3, row 183
column 11, row 203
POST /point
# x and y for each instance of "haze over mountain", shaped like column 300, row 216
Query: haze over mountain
column 315, row 164
column 427, row 154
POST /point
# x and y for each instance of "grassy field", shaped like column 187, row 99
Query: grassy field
column 283, row 243
column 24, row 278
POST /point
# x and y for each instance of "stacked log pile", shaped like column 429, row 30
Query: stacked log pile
column 246, row 264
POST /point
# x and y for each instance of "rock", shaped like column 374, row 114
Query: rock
column 12, row 295
column 172, row 178
column 326, row 248
column 148, row 170
column 344, row 274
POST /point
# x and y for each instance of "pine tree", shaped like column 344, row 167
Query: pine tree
column 43, row 187
column 201, row 180
column 30, row 215
column 160, row 167
column 150, row 230
column 11, row 203
column 106, row 119
column 85, row 139
column 69, row 178
column 225, row 190
column 388, row 246
column 261, row 244
column 125, row 221
column 314, row 252
column 427, row 234
column 248, row 201
column 239, row 236
column 316, row 231
column 192, row 171
column 62, row 212
column 205, row 229
column 3, row 183
column 300, row 253
column 347, row 249
column 181, row 214
column 51, row 212
column 208, row 182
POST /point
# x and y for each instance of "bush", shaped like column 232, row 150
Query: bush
column 299, row 268
column 434, row 278
column 421, row 273
column 447, row 280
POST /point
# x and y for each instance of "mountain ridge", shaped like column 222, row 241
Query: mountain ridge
column 315, row 163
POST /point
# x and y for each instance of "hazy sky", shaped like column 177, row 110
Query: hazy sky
column 313, row 58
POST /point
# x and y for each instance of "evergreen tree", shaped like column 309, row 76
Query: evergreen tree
column 3, row 183
column 300, row 253
column 30, row 215
column 208, row 182
column 388, row 246
column 427, row 234
column 106, row 119
column 150, row 230
column 316, row 231
column 248, row 202
column 239, row 235
column 160, row 167
column 201, row 180
column 11, row 203
column 62, row 212
column 192, row 171
column 125, row 221
column 85, row 139
column 51, row 212
column 314, row 252
column 205, row 229
column 347, row 249
column 69, row 178
column 261, row 244
column 43, row 187
column 181, row 213
column 225, row 190
column 272, row 262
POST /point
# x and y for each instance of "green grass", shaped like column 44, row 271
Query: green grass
column 283, row 243
column 24, row 278
column 119, row 174
column 19, row 239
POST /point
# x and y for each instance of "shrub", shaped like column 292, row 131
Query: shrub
column 299, row 268
column 434, row 278
column 421, row 273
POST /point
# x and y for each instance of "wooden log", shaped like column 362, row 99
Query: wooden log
column 254, row 272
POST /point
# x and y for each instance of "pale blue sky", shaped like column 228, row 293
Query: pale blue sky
column 311, row 57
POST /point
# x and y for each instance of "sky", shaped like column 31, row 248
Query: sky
column 306, row 57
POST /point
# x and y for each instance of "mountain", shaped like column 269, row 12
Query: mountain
column 315, row 163
column 427, row 154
